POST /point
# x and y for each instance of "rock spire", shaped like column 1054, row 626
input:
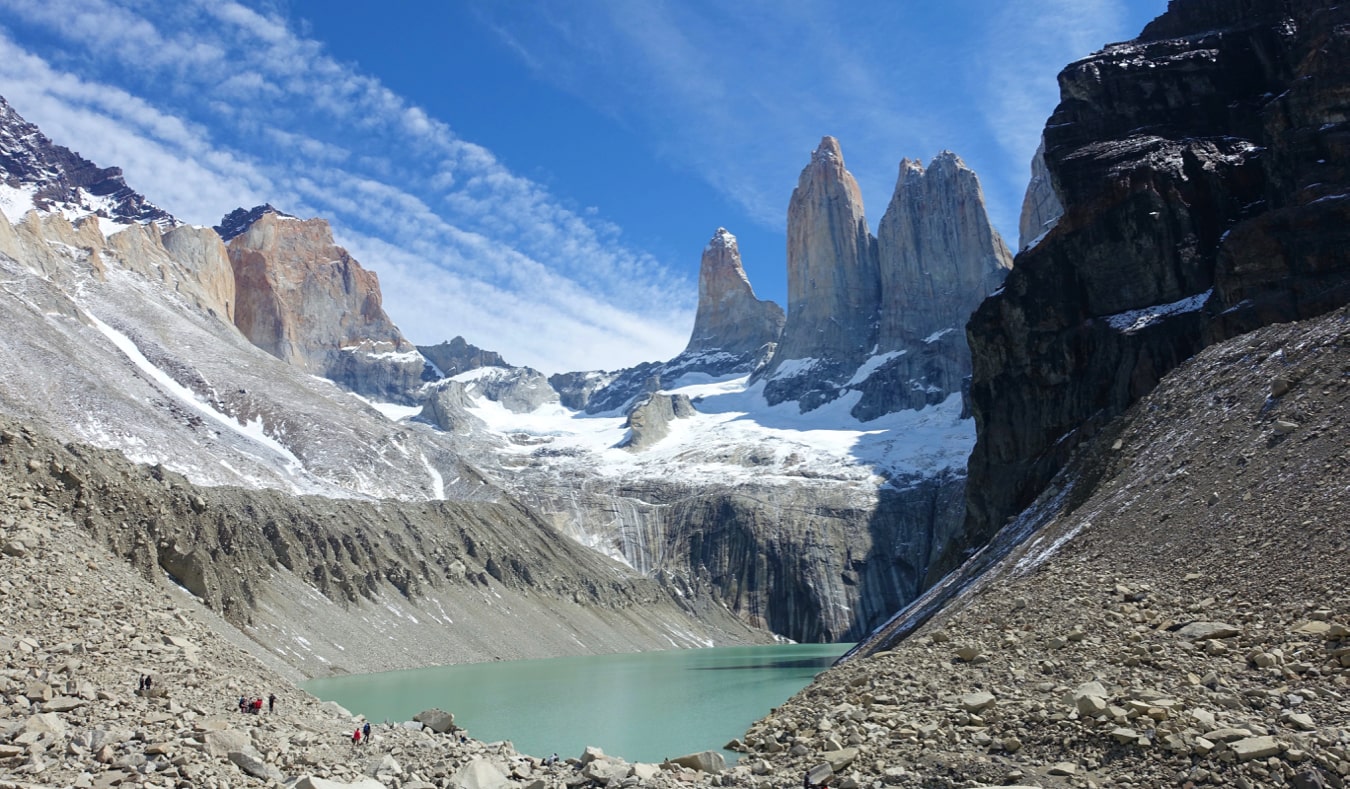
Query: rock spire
column 730, row 318
column 939, row 256
column 833, row 287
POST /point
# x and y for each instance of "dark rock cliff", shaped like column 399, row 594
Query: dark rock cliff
column 1203, row 174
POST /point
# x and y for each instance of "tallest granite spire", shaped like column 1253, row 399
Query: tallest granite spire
column 834, row 289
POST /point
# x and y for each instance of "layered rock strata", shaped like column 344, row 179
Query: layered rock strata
column 1203, row 172
column 306, row 301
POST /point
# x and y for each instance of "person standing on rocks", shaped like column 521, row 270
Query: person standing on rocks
column 365, row 732
column 356, row 737
column 271, row 703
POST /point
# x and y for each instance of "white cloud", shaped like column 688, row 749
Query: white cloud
column 462, row 245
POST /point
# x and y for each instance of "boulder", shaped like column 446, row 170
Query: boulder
column 314, row 782
column 250, row 762
column 480, row 774
column 1255, row 748
column 437, row 720
column 1198, row 631
column 711, row 762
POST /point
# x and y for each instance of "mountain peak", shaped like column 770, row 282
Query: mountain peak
column 828, row 150
column 729, row 317
column 238, row 221
column 35, row 173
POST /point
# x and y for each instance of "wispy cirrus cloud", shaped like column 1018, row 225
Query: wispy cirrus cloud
column 207, row 106
column 740, row 92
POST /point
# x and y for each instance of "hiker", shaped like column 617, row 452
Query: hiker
column 257, row 706
column 356, row 737
column 271, row 703
column 243, row 704
column 147, row 681
column 365, row 731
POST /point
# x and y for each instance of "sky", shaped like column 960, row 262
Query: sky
column 541, row 177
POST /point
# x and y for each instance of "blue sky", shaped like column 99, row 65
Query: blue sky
column 541, row 177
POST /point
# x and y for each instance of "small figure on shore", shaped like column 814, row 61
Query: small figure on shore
column 147, row 681
column 365, row 732
column 257, row 706
column 356, row 737
column 140, row 682
column 271, row 703
column 243, row 704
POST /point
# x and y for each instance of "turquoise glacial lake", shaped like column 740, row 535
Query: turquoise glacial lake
column 643, row 707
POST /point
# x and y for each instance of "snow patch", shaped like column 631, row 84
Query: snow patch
column 872, row 365
column 1137, row 320
column 254, row 430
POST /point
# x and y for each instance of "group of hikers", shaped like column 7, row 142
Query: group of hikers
column 255, row 706
column 362, row 734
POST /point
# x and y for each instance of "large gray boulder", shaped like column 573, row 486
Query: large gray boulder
column 711, row 762
column 480, row 774
column 438, row 720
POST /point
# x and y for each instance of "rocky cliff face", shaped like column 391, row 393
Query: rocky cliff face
column 834, row 289
column 306, row 301
column 939, row 257
column 730, row 319
column 1203, row 172
column 935, row 257
column 47, row 176
column 456, row 356
column 1040, row 207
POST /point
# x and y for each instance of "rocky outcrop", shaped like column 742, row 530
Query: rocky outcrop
column 575, row 389
column 58, row 178
column 447, row 407
column 815, row 560
column 306, row 301
column 834, row 289
column 1203, row 172
column 518, row 389
column 241, row 219
column 649, row 421
column 734, row 332
column 730, row 319
column 456, row 356
column 1040, row 205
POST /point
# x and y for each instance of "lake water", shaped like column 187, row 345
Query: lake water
column 642, row 707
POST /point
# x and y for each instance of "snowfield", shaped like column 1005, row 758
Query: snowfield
column 737, row 437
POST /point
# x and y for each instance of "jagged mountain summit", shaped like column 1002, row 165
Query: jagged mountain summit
column 241, row 219
column 219, row 356
column 36, row 173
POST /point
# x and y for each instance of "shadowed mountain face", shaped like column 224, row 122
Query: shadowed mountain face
column 1203, row 174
